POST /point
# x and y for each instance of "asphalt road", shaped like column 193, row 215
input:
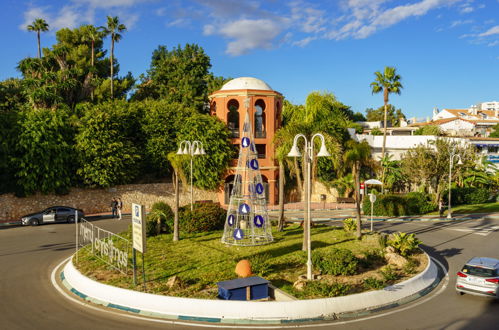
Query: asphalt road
column 28, row 300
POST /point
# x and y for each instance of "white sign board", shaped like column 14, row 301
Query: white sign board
column 372, row 198
column 139, row 227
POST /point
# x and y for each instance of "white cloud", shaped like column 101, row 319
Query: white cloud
column 247, row 34
column 491, row 31
column 368, row 17
column 461, row 22
column 304, row 42
column 31, row 14
column 66, row 18
column 493, row 43
column 109, row 3
column 467, row 10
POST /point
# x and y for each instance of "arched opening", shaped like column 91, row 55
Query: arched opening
column 233, row 117
column 229, row 186
column 259, row 119
column 213, row 108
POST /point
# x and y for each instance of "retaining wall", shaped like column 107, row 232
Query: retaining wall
column 99, row 200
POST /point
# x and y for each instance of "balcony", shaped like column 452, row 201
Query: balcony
column 260, row 135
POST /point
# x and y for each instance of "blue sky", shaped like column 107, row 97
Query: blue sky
column 447, row 51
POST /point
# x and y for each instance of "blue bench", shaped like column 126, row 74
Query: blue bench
column 249, row 288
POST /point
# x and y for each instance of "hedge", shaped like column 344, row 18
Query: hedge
column 460, row 196
column 205, row 217
column 397, row 205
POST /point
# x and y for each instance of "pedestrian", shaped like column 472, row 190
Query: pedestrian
column 440, row 208
column 119, row 206
column 114, row 207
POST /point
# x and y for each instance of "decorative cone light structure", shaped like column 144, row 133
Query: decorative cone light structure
column 247, row 222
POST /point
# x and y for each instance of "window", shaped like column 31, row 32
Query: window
column 259, row 119
column 260, row 150
column 233, row 117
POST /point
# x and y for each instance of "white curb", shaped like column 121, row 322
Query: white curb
column 237, row 311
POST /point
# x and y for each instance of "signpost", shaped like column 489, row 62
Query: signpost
column 139, row 239
column 372, row 199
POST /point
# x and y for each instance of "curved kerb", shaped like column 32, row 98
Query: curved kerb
column 248, row 312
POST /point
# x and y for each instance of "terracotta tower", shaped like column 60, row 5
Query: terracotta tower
column 264, row 106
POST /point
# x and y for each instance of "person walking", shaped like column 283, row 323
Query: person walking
column 119, row 206
column 114, row 207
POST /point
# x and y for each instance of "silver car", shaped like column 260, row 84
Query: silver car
column 52, row 215
column 479, row 276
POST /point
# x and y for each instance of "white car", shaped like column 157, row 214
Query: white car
column 479, row 276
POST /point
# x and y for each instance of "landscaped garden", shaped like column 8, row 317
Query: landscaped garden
column 345, row 265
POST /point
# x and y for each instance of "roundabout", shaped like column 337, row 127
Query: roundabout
column 243, row 312
column 31, row 254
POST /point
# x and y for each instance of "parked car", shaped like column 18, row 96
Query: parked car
column 479, row 276
column 51, row 215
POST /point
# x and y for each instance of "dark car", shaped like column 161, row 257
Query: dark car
column 52, row 215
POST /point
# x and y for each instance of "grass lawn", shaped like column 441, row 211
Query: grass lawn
column 473, row 208
column 201, row 260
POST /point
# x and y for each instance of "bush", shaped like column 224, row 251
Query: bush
column 404, row 243
column 373, row 283
column 335, row 261
column 151, row 228
column 162, row 214
column 349, row 225
column 460, row 196
column 322, row 289
column 389, row 274
column 205, row 217
column 372, row 259
column 397, row 205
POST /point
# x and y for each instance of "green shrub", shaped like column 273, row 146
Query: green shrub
column 389, row 274
column 162, row 214
column 260, row 264
column 398, row 205
column 322, row 289
column 372, row 259
column 404, row 243
column 410, row 266
column 335, row 261
column 373, row 283
column 205, row 217
column 383, row 240
column 463, row 196
column 151, row 228
column 349, row 225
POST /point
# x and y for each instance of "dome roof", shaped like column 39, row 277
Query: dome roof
column 246, row 83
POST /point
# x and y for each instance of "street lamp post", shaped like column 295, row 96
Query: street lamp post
column 192, row 148
column 309, row 156
column 452, row 155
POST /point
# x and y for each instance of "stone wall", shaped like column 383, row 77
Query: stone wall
column 99, row 200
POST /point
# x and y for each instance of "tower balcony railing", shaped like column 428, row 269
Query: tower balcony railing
column 234, row 132
column 260, row 135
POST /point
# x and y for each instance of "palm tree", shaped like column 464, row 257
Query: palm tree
column 357, row 154
column 387, row 82
column 113, row 28
column 92, row 34
column 38, row 25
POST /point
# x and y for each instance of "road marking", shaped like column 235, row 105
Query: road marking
column 482, row 231
column 280, row 326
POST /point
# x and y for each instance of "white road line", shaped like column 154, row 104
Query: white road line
column 483, row 231
column 222, row 325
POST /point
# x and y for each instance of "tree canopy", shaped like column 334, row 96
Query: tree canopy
column 392, row 115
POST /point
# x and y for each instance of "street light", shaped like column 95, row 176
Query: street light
column 452, row 155
column 309, row 156
column 194, row 148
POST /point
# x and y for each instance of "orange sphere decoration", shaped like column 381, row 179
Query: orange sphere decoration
column 243, row 268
